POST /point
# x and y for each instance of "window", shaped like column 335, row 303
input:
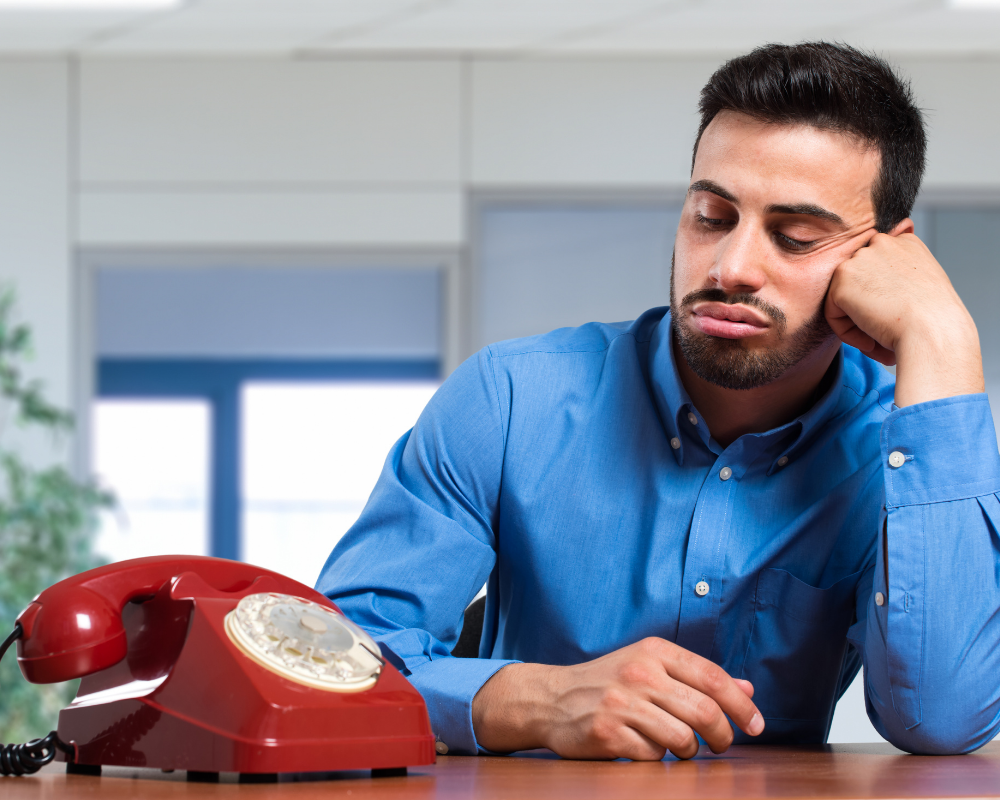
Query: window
column 246, row 413
column 311, row 455
column 155, row 455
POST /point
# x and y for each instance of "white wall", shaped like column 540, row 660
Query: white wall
column 284, row 153
column 35, row 213
column 960, row 99
column 584, row 123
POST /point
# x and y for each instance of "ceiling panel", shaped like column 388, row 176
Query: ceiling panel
column 249, row 25
column 484, row 24
column 23, row 32
column 733, row 25
column 529, row 26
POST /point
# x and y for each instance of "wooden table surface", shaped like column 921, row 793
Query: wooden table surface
column 848, row 771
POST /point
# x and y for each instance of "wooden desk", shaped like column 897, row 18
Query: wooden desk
column 835, row 771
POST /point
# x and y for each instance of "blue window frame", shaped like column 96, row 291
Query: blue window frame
column 218, row 381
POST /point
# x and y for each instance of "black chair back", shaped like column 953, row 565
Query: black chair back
column 472, row 630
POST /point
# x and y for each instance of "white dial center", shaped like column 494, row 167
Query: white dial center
column 314, row 624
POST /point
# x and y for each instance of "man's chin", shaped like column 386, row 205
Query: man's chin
column 745, row 363
column 743, row 375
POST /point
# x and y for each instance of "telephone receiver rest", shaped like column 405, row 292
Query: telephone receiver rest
column 75, row 627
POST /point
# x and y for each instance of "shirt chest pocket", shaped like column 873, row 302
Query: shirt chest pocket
column 797, row 647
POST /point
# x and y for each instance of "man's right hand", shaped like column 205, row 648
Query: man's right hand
column 637, row 702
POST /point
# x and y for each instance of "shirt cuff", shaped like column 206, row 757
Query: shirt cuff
column 940, row 451
column 448, row 686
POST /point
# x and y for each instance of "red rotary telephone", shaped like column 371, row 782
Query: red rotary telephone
column 209, row 665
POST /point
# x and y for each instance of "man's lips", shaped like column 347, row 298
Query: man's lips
column 728, row 322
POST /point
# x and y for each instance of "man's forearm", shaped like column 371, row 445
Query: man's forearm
column 941, row 358
column 932, row 641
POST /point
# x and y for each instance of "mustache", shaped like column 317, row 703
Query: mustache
column 742, row 298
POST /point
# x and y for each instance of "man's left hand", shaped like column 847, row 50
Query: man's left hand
column 893, row 302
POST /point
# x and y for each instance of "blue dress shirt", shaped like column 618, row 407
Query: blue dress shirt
column 571, row 473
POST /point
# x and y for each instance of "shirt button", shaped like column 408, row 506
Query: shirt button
column 879, row 599
column 782, row 461
column 896, row 459
column 675, row 443
column 440, row 748
column 725, row 473
column 701, row 588
column 692, row 418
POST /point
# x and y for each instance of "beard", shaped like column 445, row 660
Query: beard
column 728, row 362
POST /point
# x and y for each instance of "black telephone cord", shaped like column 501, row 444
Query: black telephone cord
column 28, row 758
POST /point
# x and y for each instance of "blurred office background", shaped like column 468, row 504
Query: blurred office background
column 252, row 236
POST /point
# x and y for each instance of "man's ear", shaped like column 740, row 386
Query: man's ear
column 903, row 226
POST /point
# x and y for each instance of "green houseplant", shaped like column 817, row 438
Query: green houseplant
column 47, row 522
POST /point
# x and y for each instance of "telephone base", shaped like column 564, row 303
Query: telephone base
column 186, row 697
column 390, row 772
column 258, row 777
column 83, row 769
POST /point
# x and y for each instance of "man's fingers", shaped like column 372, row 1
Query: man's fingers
column 699, row 711
column 857, row 338
column 867, row 237
column 635, row 745
column 665, row 730
column 883, row 355
column 711, row 680
column 684, row 753
column 746, row 686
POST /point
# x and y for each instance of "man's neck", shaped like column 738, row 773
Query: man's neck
column 731, row 413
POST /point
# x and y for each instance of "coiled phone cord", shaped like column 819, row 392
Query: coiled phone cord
column 27, row 758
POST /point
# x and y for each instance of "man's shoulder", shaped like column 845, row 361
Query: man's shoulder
column 592, row 337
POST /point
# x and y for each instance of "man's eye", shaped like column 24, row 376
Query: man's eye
column 792, row 244
column 709, row 222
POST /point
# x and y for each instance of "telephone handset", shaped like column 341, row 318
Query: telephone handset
column 210, row 665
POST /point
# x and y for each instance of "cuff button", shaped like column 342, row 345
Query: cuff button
column 896, row 459
column 879, row 599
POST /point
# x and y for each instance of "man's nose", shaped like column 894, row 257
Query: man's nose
column 740, row 261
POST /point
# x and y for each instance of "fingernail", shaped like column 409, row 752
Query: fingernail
column 756, row 725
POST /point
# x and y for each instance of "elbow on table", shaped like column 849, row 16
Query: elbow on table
column 948, row 737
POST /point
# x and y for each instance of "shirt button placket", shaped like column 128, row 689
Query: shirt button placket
column 701, row 601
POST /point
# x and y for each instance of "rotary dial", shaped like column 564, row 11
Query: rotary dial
column 305, row 642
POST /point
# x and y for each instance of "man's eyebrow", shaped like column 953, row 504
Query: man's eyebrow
column 714, row 188
column 808, row 210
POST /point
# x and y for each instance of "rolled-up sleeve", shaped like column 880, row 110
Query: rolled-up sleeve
column 929, row 622
column 425, row 544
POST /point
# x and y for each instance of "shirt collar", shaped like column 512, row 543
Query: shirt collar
column 675, row 407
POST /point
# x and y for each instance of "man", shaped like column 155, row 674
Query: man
column 703, row 522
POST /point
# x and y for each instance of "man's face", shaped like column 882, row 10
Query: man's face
column 771, row 211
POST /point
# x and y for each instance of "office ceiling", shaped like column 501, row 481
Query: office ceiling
column 520, row 27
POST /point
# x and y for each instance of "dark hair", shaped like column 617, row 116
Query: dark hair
column 837, row 88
